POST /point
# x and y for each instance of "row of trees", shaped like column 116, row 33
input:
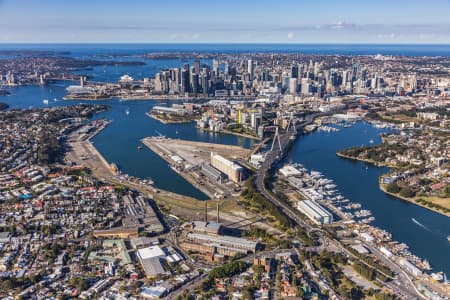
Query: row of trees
column 228, row 269
column 406, row 192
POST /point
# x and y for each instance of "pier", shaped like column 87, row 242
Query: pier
column 188, row 158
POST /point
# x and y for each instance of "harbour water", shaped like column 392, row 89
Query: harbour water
column 119, row 141
column 424, row 231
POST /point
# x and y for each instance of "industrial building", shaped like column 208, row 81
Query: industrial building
column 223, row 242
column 315, row 212
column 233, row 171
column 209, row 228
column 212, row 173
column 153, row 259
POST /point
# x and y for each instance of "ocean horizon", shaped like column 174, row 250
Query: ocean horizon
column 305, row 48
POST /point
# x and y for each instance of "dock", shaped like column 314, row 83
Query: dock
column 188, row 157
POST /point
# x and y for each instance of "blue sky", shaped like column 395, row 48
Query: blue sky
column 260, row 21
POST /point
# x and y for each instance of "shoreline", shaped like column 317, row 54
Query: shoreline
column 382, row 188
column 411, row 200
column 149, row 98
column 182, row 174
column 369, row 161
column 232, row 133
column 168, row 122
column 104, row 171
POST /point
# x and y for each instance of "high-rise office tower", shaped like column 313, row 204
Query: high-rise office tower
column 191, row 78
column 294, row 71
column 301, row 71
column 250, row 68
column 176, row 78
column 204, row 83
column 226, row 69
column 216, row 67
column 194, row 84
column 355, row 72
column 197, row 66
column 184, row 81
column 316, row 69
column 293, row 86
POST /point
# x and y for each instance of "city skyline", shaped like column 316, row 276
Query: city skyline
column 201, row 21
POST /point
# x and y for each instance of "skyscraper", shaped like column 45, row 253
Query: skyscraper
column 293, row 85
column 197, row 66
column 250, row 68
column 184, row 81
column 294, row 71
column 355, row 71
column 216, row 67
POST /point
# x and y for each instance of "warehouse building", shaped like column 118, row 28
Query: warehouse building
column 212, row 173
column 225, row 243
column 233, row 171
column 315, row 212
column 154, row 259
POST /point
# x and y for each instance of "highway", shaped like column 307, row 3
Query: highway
column 271, row 158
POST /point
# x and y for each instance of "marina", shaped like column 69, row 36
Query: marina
column 312, row 185
column 357, row 182
column 320, row 197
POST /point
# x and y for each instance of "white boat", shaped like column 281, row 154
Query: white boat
column 45, row 101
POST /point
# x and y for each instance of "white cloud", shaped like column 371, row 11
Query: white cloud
column 291, row 35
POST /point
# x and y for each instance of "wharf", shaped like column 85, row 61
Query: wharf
column 187, row 158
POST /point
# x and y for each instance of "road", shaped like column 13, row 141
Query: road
column 402, row 284
column 271, row 158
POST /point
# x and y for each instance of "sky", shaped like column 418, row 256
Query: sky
column 231, row 21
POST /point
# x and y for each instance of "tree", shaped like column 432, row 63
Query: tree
column 393, row 188
column 407, row 192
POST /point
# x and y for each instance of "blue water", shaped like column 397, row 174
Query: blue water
column 118, row 142
column 89, row 50
column 427, row 237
